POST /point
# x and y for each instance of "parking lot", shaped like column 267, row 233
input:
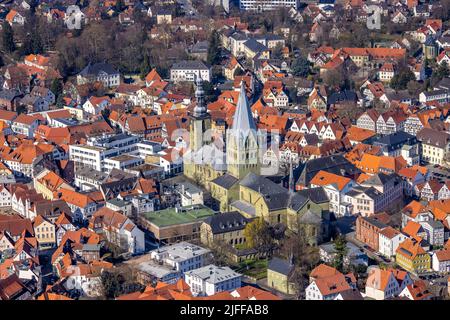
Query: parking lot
column 438, row 172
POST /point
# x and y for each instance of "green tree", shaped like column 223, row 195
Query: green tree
column 300, row 67
column 213, row 49
column 8, row 38
column 340, row 246
column 56, row 88
column 257, row 233
column 401, row 79
column 277, row 52
column 145, row 66
column 112, row 283
column 442, row 71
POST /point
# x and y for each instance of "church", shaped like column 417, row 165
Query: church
column 233, row 176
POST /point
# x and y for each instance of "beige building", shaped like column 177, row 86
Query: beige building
column 279, row 273
column 48, row 183
column 45, row 233
column 435, row 145
column 227, row 228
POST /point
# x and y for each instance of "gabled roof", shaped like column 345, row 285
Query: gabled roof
column 323, row 178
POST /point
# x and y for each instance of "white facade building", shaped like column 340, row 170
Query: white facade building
column 211, row 279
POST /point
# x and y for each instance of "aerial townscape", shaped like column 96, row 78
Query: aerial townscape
column 224, row 150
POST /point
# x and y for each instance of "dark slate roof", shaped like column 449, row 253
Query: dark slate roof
column 226, row 181
column 95, row 69
column 190, row 64
column 281, row 266
column 433, row 137
column 335, row 164
column 379, row 179
column 375, row 222
column 269, row 37
column 342, row 96
column 351, row 294
column 200, row 47
column 261, row 184
column 255, row 46
column 395, row 140
column 226, row 222
column 316, row 195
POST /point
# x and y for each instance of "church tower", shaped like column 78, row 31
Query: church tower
column 242, row 140
column 200, row 122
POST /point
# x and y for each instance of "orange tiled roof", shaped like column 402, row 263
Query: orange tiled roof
column 323, row 178
column 410, row 249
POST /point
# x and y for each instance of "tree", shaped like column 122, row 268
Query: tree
column 442, row 71
column 57, row 89
column 145, row 66
column 8, row 38
column 213, row 49
column 111, row 282
column 401, row 79
column 277, row 52
column 257, row 234
column 300, row 67
column 340, row 246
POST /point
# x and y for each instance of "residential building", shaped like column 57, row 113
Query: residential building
column 211, row 279
column 189, row 71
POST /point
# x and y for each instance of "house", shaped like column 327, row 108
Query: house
column 390, row 122
column 45, row 232
column 33, row 103
column 256, row 5
column 386, row 72
column 95, row 105
column 412, row 257
column 389, row 240
column 12, row 288
column 416, row 291
column 279, row 273
column 211, row 279
column 435, row 145
column 99, row 72
column 384, row 284
column 81, row 204
column 118, row 229
column 25, row 124
column 48, row 183
column 326, row 283
column 226, row 228
column 43, row 93
column 368, row 230
column 441, row 260
column 368, row 120
column 189, row 71
column 336, row 187
column 15, row 17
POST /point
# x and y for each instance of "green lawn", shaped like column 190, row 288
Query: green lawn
column 169, row 216
column 254, row 268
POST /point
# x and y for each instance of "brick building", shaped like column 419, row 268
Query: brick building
column 367, row 231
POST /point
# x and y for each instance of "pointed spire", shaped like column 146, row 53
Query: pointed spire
column 243, row 120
